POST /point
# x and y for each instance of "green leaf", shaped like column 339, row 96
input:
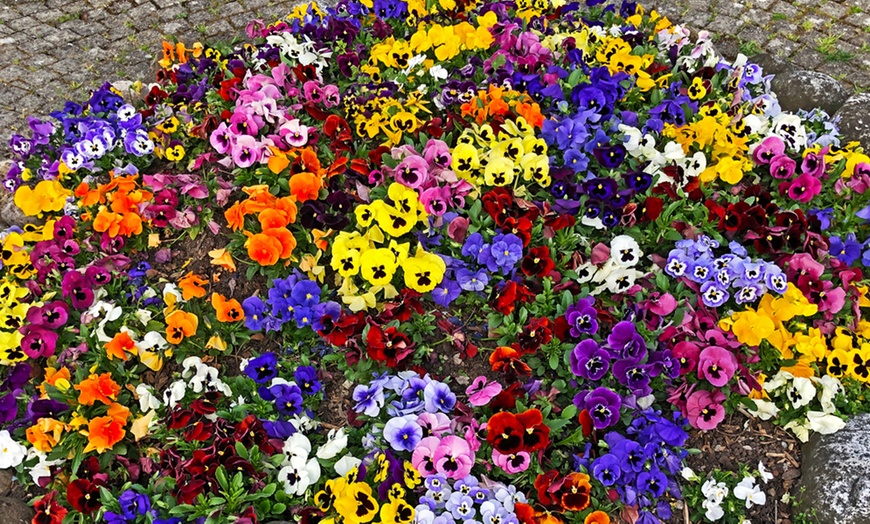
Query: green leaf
column 554, row 361
column 241, row 450
column 569, row 412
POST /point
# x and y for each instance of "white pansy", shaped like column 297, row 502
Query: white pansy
column 801, row 392
column 632, row 138
column 792, row 131
column 12, row 453
column 174, row 393
column 147, row 399
column 800, row 428
column 43, row 466
column 143, row 316
column 438, row 72
column 303, row 423
column 298, row 475
column 824, row 423
column 345, row 464
column 673, row 152
column 152, row 340
column 625, row 251
column 778, row 381
column 693, row 165
column 831, row 387
column 713, row 511
column 714, row 491
column 336, row 441
column 747, row 490
column 297, row 445
column 764, row 409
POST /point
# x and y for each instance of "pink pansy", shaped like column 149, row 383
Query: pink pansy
column 294, row 133
column 246, row 151
column 457, row 229
column 473, row 434
column 661, row 303
column 804, row 264
column 413, row 172
column 480, row 392
column 804, row 188
column 220, row 138
column 814, row 163
column 782, row 166
column 717, row 365
column 513, row 463
column 331, row 96
column 433, row 424
column 423, row 458
column 687, row 354
column 453, row 457
column 705, row 409
column 437, row 154
column 244, row 123
column 769, row 148
column 312, row 92
column 830, row 298
column 435, row 200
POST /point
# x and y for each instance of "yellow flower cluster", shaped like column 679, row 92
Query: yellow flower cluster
column 46, row 197
column 369, row 254
column 386, row 115
column 350, row 500
column 485, row 158
column 12, row 313
column 725, row 142
column 845, row 355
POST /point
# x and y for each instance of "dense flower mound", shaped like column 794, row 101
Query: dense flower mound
column 426, row 262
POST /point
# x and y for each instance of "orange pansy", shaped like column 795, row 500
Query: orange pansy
column 191, row 286
column 221, row 257
column 119, row 413
column 121, row 344
column 272, row 218
column 597, row 517
column 286, row 238
column 227, row 310
column 45, row 434
column 264, row 249
column 180, row 324
column 103, row 434
column 235, row 216
column 288, row 206
column 98, row 387
column 305, row 186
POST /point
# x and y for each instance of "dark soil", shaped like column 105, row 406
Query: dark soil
column 743, row 441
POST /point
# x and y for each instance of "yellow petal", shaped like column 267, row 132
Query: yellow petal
column 139, row 427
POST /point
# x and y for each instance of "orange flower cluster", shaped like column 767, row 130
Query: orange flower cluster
column 498, row 102
column 274, row 214
column 308, row 175
column 119, row 200
column 105, row 432
column 572, row 492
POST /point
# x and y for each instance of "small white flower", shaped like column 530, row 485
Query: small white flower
column 689, row 474
column 174, row 393
column 297, row 445
column 345, row 464
column 764, row 409
column 438, row 72
column 42, row 468
column 714, row 491
column 831, row 387
column 800, row 428
column 748, row 491
column 11, row 452
column 147, row 399
column 298, row 475
column 713, row 510
column 336, row 441
column 763, row 473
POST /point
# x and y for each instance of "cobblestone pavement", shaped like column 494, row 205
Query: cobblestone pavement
column 52, row 50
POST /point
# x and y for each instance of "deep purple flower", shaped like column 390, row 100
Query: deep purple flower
column 603, row 405
column 263, row 369
column 626, row 341
column 288, row 399
column 306, row 379
column 280, row 429
column 134, row 504
column 589, row 361
column 325, row 313
column 255, row 313
column 8, row 409
column 582, row 317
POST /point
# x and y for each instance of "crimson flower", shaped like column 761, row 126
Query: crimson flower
column 83, row 496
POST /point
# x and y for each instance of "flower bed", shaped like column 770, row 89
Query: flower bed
column 427, row 262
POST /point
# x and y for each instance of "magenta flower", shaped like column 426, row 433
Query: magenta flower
column 220, row 138
column 686, row 354
column 437, row 154
column 804, row 188
column 814, row 163
column 661, row 304
column 768, row 149
column 717, row 365
column 480, row 392
column 705, row 409
column 782, row 166
column 804, row 264
column 76, row 287
column 246, row 151
column 38, row 341
column 413, row 172
column 435, row 200
column 433, row 424
column 513, row 463
column 423, row 457
column 453, row 457
column 294, row 133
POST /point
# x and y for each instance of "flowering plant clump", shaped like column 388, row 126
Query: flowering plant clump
column 426, row 262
